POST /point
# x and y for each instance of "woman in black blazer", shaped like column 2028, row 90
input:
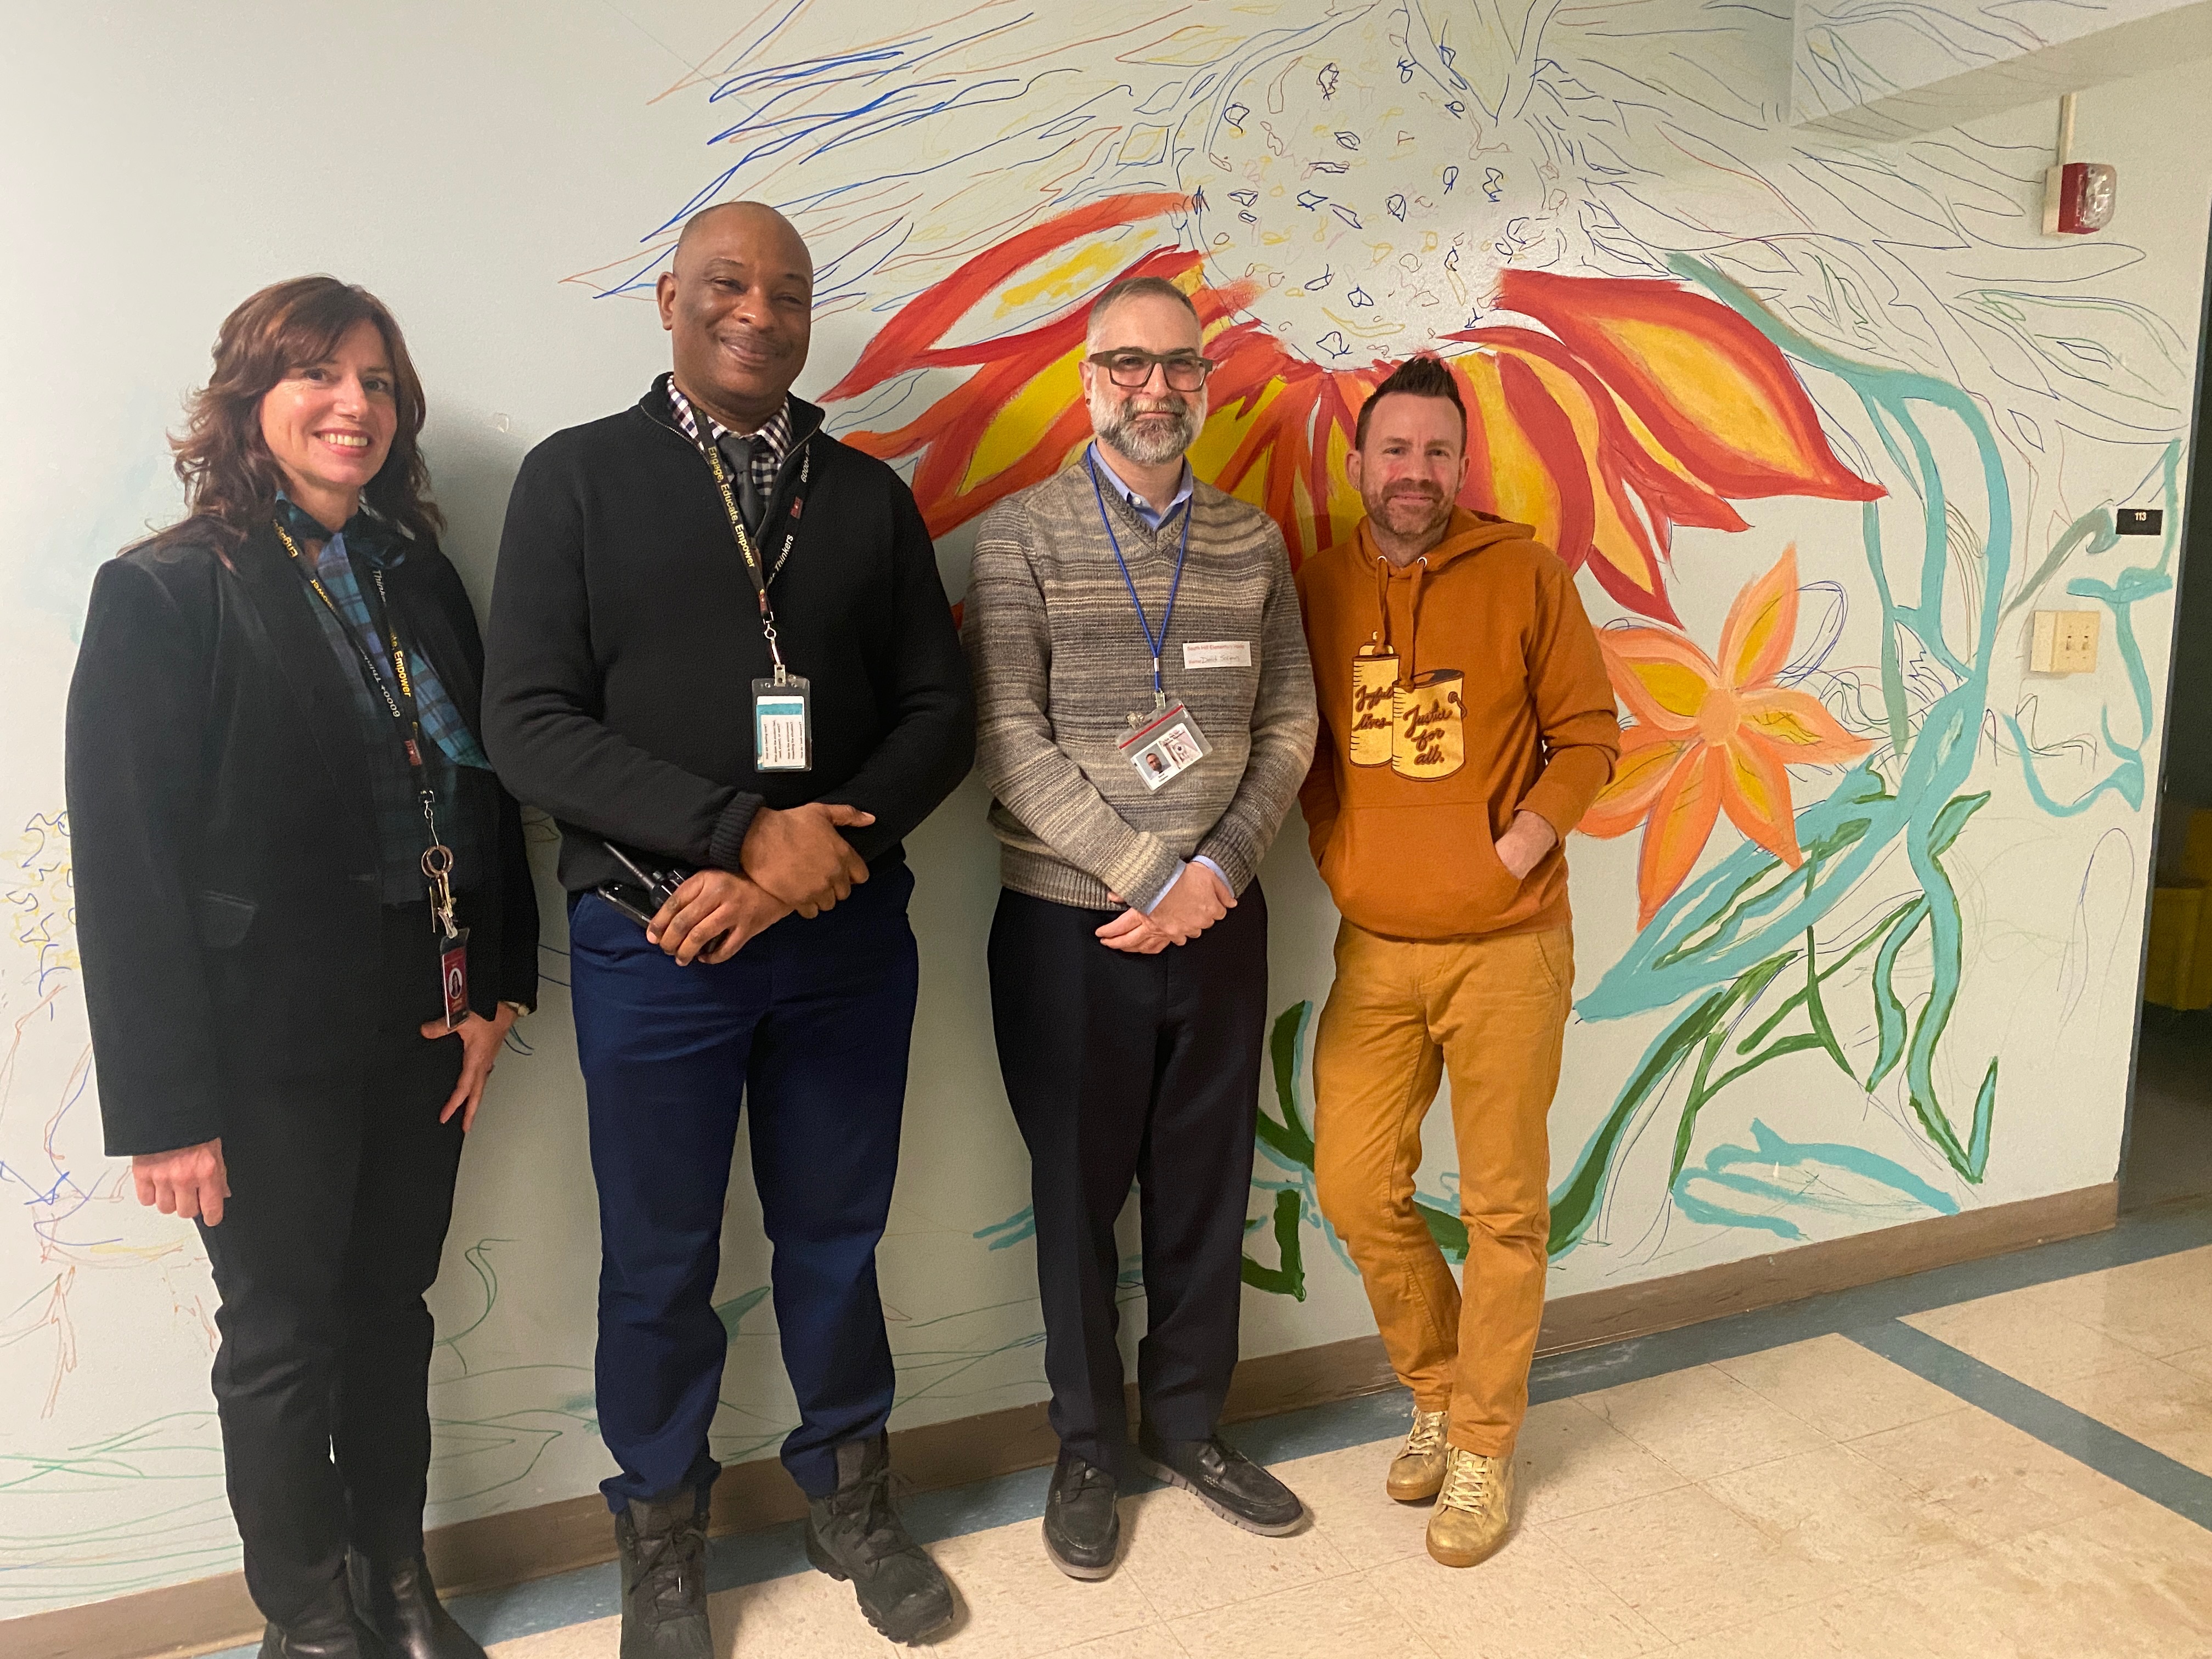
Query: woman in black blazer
column 272, row 760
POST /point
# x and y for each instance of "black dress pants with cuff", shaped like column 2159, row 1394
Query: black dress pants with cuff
column 342, row 1185
column 1122, row 1068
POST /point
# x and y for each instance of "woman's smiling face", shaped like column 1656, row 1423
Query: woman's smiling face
column 330, row 424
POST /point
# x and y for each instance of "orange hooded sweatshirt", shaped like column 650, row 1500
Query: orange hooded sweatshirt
column 1454, row 693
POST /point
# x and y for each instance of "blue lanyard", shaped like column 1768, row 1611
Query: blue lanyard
column 1159, row 645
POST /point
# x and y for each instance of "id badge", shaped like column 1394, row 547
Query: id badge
column 783, row 725
column 1166, row 747
column 454, row 975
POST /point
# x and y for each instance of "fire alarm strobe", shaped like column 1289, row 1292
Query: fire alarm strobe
column 2078, row 197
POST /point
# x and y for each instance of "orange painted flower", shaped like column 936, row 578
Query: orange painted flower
column 1635, row 406
column 1710, row 737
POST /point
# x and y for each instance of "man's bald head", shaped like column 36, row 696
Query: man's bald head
column 702, row 227
column 738, row 297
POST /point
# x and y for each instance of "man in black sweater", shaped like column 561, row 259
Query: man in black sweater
column 718, row 642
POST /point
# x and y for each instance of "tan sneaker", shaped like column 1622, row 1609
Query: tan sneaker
column 1417, row 1472
column 1475, row 1510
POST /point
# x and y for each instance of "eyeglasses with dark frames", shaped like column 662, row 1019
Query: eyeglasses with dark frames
column 1132, row 370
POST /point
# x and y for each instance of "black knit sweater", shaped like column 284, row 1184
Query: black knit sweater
column 625, row 636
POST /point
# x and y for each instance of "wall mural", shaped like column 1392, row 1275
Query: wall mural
column 1531, row 197
column 1817, row 425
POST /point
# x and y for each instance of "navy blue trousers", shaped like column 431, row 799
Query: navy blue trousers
column 809, row 1026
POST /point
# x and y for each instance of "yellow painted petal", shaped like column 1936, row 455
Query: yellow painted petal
column 1662, row 677
column 1762, row 624
column 1581, row 450
column 1682, row 819
column 1501, row 457
column 1756, row 792
column 1648, row 759
column 1799, row 728
column 1013, row 432
column 1721, row 398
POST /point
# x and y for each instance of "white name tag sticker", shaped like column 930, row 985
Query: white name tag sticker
column 1217, row 654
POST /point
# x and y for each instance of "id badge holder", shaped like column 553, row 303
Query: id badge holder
column 1166, row 747
column 783, row 725
column 454, row 976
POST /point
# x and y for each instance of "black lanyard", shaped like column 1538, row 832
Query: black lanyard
column 744, row 540
column 399, row 700
column 1159, row 644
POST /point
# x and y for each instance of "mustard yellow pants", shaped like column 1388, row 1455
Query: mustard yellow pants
column 1492, row 1011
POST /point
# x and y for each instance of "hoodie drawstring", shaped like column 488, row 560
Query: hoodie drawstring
column 1413, row 610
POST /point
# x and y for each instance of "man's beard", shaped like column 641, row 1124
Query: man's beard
column 1411, row 515
column 1150, row 443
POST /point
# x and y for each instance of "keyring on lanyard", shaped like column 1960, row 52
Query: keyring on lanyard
column 437, row 858
column 1167, row 617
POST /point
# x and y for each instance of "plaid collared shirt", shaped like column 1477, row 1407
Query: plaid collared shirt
column 772, row 442
column 401, row 836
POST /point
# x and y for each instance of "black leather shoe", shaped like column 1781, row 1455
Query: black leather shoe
column 401, row 1604
column 326, row 1629
column 1082, row 1521
column 854, row 1533
column 663, row 1542
column 1226, row 1481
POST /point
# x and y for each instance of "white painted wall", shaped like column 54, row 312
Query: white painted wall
column 488, row 169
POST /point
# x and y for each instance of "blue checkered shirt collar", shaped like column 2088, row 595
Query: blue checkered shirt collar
column 770, row 444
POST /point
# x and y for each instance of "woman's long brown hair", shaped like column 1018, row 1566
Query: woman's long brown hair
column 230, row 478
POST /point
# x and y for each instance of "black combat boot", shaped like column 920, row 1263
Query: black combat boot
column 401, row 1604
column 663, row 1542
column 855, row 1533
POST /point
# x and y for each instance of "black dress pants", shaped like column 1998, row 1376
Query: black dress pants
column 1124, row 1067
column 342, row 1183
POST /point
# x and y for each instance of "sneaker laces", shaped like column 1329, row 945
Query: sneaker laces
column 1466, row 1481
column 1427, row 1434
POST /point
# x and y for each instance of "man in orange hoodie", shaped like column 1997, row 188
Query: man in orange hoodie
column 1467, row 724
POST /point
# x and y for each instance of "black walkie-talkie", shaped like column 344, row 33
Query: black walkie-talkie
column 654, row 888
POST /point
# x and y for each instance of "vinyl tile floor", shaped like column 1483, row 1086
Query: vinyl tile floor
column 2009, row 1458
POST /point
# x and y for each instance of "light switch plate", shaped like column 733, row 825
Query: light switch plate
column 2065, row 642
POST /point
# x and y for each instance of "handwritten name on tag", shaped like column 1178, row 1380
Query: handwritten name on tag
column 1217, row 654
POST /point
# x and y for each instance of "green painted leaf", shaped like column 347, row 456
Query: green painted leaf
column 1985, row 1105
column 1575, row 1205
column 1744, row 992
column 732, row 1312
column 1289, row 1138
column 1290, row 1278
column 1888, row 1007
column 1448, row 1230
column 1952, row 819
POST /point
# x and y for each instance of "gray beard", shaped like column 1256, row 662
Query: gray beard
column 1148, row 446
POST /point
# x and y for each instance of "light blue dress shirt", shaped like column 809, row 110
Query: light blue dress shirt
column 1154, row 517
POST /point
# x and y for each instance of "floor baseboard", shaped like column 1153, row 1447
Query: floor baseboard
column 209, row 1614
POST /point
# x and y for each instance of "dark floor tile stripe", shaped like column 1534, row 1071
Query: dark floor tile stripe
column 2137, row 1238
column 2140, row 1468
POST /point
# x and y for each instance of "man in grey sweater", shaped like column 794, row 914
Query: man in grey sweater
column 1145, row 716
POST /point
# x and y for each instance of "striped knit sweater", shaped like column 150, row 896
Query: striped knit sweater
column 1060, row 663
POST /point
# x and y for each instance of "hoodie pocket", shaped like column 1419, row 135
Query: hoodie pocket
column 1422, row 871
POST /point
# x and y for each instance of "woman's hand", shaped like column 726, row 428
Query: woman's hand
column 189, row 1181
column 481, row 1039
